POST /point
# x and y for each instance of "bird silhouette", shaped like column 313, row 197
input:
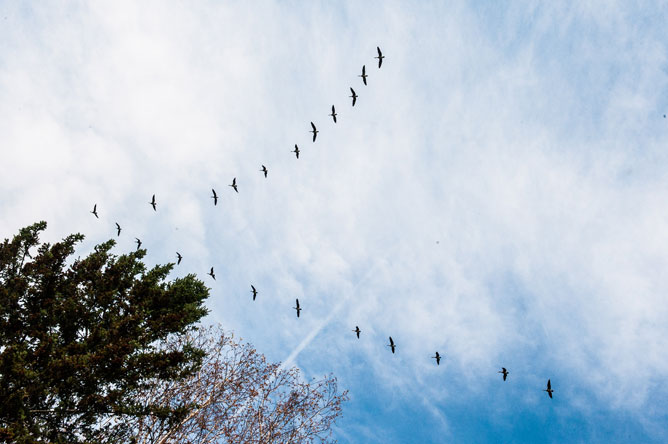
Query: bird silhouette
column 333, row 114
column 179, row 257
column 212, row 274
column 549, row 388
column 254, row 291
column 438, row 358
column 354, row 96
column 153, row 203
column 264, row 170
column 214, row 197
column 138, row 242
column 380, row 57
column 298, row 308
column 358, row 331
column 363, row 76
column 234, row 184
column 314, row 131
column 95, row 211
column 391, row 344
column 505, row 373
column 118, row 229
column 296, row 151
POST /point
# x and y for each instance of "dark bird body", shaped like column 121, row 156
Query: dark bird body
column 438, row 358
column 505, row 373
column 391, row 344
column 357, row 331
column 138, row 242
column 333, row 114
column 95, row 210
column 234, row 184
column 380, row 57
column 178, row 257
column 298, row 308
column 118, row 229
column 549, row 388
column 264, row 170
column 354, row 96
column 212, row 274
column 296, row 151
column 363, row 76
column 153, row 203
column 254, row 291
column 314, row 131
column 214, row 197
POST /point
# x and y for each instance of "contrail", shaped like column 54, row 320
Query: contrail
column 309, row 338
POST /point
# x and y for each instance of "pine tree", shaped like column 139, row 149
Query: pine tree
column 79, row 341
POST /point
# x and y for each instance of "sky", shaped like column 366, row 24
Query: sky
column 499, row 192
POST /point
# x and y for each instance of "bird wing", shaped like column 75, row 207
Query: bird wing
column 391, row 342
column 297, row 303
column 363, row 70
column 333, row 112
column 253, row 289
column 549, row 385
column 313, row 126
column 380, row 54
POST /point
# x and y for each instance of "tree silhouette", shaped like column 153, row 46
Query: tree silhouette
column 239, row 397
column 79, row 341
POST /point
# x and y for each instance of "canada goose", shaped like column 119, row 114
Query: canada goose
column 354, row 96
column 264, row 170
column 179, row 257
column 138, row 242
column 314, row 131
column 549, row 388
column 95, row 211
column 118, row 229
column 296, row 151
column 254, row 291
column 364, row 75
column 333, row 114
column 297, row 308
column 505, row 373
column 234, row 184
column 438, row 358
column 380, row 57
column 214, row 197
column 391, row 344
column 212, row 274
column 153, row 203
column 358, row 331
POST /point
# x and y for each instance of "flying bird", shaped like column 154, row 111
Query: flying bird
column 363, row 76
column 234, row 184
column 212, row 274
column 298, row 308
column 264, row 170
column 505, row 373
column 354, row 96
column 549, row 388
column 95, row 211
column 380, row 57
column 138, row 242
column 214, row 197
column 296, row 151
column 333, row 114
column 254, row 291
column 118, row 229
column 179, row 257
column 391, row 344
column 314, row 131
column 358, row 331
column 153, row 203
column 438, row 358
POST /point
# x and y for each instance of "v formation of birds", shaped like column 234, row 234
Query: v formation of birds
column 265, row 171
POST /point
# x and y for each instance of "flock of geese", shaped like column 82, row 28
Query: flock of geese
column 265, row 171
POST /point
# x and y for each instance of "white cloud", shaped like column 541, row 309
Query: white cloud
column 530, row 152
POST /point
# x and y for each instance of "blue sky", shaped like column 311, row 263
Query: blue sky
column 498, row 193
